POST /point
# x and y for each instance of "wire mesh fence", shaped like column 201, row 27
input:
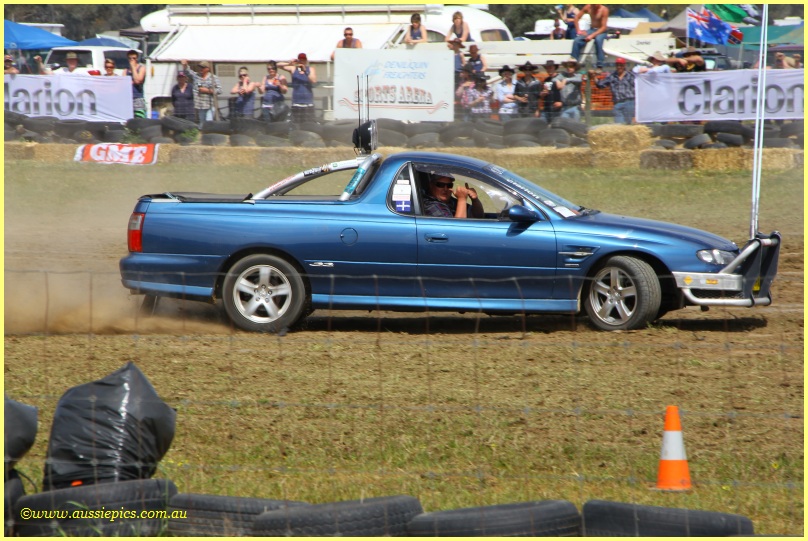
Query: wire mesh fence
column 455, row 409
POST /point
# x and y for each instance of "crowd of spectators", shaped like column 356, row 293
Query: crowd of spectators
column 540, row 91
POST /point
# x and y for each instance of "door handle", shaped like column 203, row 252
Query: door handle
column 436, row 237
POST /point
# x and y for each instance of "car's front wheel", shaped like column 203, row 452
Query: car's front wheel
column 624, row 294
column 264, row 293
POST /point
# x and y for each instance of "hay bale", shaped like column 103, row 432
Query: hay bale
column 619, row 137
column 626, row 159
column 718, row 159
column 235, row 155
column 165, row 151
column 798, row 159
column 192, row 155
column 55, row 153
column 673, row 160
column 19, row 151
column 543, row 157
column 773, row 159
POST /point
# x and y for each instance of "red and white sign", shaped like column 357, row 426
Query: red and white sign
column 118, row 153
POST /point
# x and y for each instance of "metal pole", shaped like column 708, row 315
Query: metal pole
column 760, row 114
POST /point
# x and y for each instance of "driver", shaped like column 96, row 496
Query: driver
column 439, row 202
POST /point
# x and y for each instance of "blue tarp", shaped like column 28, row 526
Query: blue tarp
column 105, row 42
column 23, row 37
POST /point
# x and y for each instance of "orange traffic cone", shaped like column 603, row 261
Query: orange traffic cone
column 673, row 471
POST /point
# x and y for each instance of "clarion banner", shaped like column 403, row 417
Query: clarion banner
column 718, row 95
column 401, row 84
column 79, row 97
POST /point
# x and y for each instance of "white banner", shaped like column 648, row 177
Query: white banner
column 402, row 84
column 82, row 97
column 718, row 95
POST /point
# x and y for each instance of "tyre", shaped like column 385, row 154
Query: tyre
column 714, row 145
column 576, row 141
column 391, row 138
column 391, row 124
column 730, row 139
column 83, row 136
column 778, row 142
column 729, row 126
column 280, row 129
column 216, row 126
column 247, row 126
column 554, row 518
column 136, row 124
column 552, row 136
column 264, row 293
column 339, row 132
column 454, row 130
column 215, row 139
column 271, row 141
column 461, row 142
column 417, row 128
column 386, row 516
column 177, row 124
column 698, row 141
column 209, row 515
column 531, row 126
column 139, row 495
column 304, row 138
column 490, row 127
column 681, row 130
column 795, row 128
column 665, row 143
column 39, row 124
column 151, row 131
column 241, row 140
column 13, row 491
column 160, row 140
column 573, row 127
column 424, row 140
column 513, row 138
column 610, row 519
column 524, row 143
column 13, row 118
column 66, row 128
column 623, row 294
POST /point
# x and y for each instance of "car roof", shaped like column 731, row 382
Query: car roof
column 440, row 157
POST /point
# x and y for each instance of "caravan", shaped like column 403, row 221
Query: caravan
column 231, row 36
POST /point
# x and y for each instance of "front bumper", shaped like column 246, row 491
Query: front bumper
column 746, row 281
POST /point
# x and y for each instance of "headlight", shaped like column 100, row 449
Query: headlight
column 716, row 257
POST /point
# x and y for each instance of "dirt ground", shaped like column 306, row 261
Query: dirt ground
column 61, row 278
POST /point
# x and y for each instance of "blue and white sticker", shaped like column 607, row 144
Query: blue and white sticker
column 403, row 206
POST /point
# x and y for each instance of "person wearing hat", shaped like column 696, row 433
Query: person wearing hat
column 182, row 98
column 597, row 32
column 303, row 79
column 480, row 97
column 137, row 72
column 462, row 92
column 659, row 64
column 690, row 62
column 71, row 59
column 550, row 93
column 527, row 89
column 207, row 88
column 477, row 60
column 244, row 90
column 569, row 89
column 438, row 200
column 621, row 83
column 8, row 65
column 459, row 58
column 503, row 94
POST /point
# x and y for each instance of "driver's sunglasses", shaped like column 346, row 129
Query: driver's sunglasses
column 444, row 184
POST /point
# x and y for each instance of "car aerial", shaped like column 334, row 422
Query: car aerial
column 354, row 235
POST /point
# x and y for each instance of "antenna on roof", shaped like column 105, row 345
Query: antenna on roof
column 365, row 135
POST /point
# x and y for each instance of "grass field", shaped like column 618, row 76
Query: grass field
column 457, row 410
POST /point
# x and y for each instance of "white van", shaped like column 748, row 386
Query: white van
column 91, row 58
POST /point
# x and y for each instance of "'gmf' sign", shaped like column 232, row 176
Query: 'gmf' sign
column 719, row 95
column 401, row 84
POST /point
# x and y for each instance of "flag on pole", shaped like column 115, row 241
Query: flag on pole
column 705, row 26
column 736, row 13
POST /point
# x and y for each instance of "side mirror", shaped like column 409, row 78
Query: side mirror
column 518, row 213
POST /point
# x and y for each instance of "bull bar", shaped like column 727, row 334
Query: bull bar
column 757, row 266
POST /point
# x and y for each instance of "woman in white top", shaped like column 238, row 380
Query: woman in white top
column 508, row 107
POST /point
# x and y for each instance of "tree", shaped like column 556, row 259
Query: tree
column 81, row 21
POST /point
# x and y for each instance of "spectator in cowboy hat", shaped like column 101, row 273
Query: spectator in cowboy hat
column 477, row 60
column 303, row 80
column 503, row 93
column 526, row 92
column 621, row 83
column 549, row 93
column 459, row 58
column 71, row 59
column 690, row 62
column 206, row 89
column 569, row 88
column 659, row 64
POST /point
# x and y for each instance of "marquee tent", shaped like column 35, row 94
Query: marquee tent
column 24, row 37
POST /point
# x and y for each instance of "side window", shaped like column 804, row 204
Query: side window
column 401, row 192
column 495, row 200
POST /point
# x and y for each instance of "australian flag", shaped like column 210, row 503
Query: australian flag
column 707, row 27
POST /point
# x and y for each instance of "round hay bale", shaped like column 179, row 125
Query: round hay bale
column 625, row 159
column 619, row 138
column 673, row 160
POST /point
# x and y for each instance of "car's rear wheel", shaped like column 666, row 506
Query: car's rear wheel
column 264, row 293
column 624, row 294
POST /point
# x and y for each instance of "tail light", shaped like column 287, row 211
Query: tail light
column 134, row 233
